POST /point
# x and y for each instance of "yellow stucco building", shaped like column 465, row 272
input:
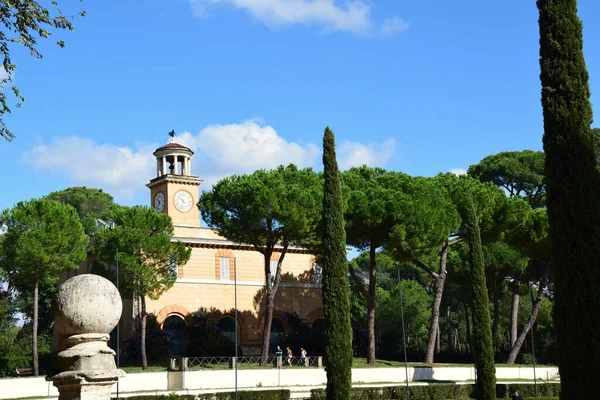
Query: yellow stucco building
column 217, row 266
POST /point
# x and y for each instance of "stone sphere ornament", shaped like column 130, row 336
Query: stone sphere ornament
column 86, row 308
column 87, row 303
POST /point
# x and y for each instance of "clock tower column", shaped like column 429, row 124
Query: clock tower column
column 174, row 191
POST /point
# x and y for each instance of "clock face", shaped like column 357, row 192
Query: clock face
column 159, row 202
column 183, row 201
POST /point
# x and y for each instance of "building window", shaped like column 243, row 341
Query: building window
column 225, row 269
column 277, row 335
column 227, row 327
column 174, row 327
column 173, row 266
column 317, row 274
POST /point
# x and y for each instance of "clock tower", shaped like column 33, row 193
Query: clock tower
column 174, row 191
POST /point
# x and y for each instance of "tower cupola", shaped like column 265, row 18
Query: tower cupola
column 173, row 159
column 174, row 191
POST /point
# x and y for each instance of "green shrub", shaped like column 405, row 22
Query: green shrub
column 206, row 340
column 546, row 391
column 528, row 390
column 9, row 363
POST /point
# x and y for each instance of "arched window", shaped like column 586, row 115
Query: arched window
column 277, row 335
column 174, row 326
column 227, row 327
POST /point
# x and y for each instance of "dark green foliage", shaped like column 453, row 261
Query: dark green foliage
column 146, row 255
column 550, row 390
column 482, row 343
column 394, row 210
column 417, row 314
column 268, row 210
column 206, row 340
column 241, row 395
column 89, row 203
column 43, row 239
column 336, row 293
column 573, row 199
column 18, row 355
column 298, row 334
column 157, row 344
column 520, row 173
column 547, row 391
column 24, row 23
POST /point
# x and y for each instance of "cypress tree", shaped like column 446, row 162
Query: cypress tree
column 482, row 344
column 336, row 291
column 573, row 198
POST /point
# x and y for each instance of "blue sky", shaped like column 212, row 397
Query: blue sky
column 415, row 86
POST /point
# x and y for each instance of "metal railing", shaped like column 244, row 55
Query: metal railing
column 245, row 362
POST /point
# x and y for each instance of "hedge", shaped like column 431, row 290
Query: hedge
column 446, row 392
column 242, row 395
column 9, row 363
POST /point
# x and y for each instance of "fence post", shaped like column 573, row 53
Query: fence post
column 184, row 363
column 233, row 363
column 320, row 361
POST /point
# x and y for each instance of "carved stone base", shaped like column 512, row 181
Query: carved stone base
column 91, row 385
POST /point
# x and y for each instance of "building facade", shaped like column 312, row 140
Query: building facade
column 219, row 268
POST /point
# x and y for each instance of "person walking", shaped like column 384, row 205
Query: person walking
column 289, row 356
column 303, row 359
column 279, row 354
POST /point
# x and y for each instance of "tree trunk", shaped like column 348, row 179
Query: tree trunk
column 496, row 317
column 537, row 304
column 438, row 338
column 449, row 327
column 468, row 326
column 34, row 333
column 371, row 304
column 435, row 308
column 143, row 335
column 266, row 336
column 271, row 286
column 514, row 315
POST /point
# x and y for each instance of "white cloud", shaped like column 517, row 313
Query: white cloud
column 458, row 171
column 116, row 169
column 243, row 148
column 354, row 154
column 353, row 16
column 393, row 25
column 220, row 151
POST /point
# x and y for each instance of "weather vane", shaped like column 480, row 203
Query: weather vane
column 172, row 134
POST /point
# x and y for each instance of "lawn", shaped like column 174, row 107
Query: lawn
column 358, row 362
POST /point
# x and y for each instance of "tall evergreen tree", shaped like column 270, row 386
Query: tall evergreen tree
column 271, row 210
column 148, row 258
column 482, row 345
column 573, row 199
column 43, row 239
column 336, row 291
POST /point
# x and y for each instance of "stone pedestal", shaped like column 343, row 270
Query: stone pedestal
column 86, row 308
column 95, row 385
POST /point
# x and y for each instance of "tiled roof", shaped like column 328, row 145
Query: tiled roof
column 173, row 146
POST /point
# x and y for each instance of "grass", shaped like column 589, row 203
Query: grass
column 358, row 362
